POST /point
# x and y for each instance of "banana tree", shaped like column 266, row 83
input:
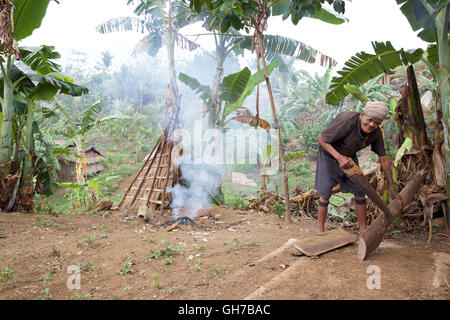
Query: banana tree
column 254, row 14
column 21, row 18
column 76, row 129
column 234, row 42
column 431, row 19
column 39, row 80
column 234, row 89
column 162, row 20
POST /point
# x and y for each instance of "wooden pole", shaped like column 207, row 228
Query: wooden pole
column 261, row 49
column 372, row 237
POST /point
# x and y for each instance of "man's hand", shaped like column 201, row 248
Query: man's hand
column 396, row 195
column 345, row 162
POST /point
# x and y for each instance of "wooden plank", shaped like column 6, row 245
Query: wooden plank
column 148, row 189
column 161, row 166
column 173, row 226
column 151, row 178
column 321, row 243
column 145, row 199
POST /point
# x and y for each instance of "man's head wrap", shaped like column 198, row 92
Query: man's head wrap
column 376, row 109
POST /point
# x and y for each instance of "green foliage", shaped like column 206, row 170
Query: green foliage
column 235, row 201
column 406, row 146
column 309, row 135
column 46, row 223
column 302, row 168
column 6, row 274
column 127, row 265
column 278, row 208
column 237, row 14
column 364, row 66
column 91, row 240
column 45, row 295
column 78, row 296
column 28, row 16
column 419, row 17
column 167, row 253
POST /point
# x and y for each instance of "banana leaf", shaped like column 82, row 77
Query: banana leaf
column 28, row 16
column 364, row 66
column 203, row 91
column 243, row 91
column 421, row 15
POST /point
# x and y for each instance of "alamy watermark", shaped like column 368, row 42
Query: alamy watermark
column 374, row 280
column 74, row 280
column 229, row 147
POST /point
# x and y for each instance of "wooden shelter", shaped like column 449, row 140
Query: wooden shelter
column 68, row 171
column 150, row 187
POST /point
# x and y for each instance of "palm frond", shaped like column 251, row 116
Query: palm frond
column 203, row 90
column 364, row 66
column 40, row 58
column 122, row 24
column 279, row 45
column 185, row 43
column 150, row 44
column 89, row 117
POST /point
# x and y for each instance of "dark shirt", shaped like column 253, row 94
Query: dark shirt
column 345, row 135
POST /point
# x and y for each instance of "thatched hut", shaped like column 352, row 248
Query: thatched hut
column 68, row 170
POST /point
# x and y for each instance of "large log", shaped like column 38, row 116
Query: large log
column 372, row 237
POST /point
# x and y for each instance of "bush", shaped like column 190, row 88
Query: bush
column 300, row 168
column 309, row 137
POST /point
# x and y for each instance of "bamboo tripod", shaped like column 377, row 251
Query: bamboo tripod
column 149, row 187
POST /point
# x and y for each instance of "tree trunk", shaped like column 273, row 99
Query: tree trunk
column 410, row 114
column 172, row 95
column 443, row 82
column 215, row 111
column 7, row 114
column 261, row 49
column 26, row 191
column 372, row 237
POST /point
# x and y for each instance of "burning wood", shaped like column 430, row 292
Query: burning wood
column 178, row 220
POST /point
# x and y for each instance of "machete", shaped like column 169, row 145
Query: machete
column 356, row 176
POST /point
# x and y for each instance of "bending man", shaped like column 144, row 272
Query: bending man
column 347, row 134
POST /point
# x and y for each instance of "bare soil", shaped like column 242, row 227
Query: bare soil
column 212, row 259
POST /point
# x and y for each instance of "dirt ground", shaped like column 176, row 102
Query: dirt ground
column 216, row 258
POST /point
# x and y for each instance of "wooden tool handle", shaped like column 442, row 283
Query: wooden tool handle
column 354, row 170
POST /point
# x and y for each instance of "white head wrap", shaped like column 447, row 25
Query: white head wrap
column 376, row 109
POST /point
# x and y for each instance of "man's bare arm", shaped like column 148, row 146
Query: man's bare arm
column 344, row 162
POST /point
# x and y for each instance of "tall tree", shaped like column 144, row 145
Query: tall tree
column 253, row 14
column 162, row 20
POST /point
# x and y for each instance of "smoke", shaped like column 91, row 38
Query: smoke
column 202, row 177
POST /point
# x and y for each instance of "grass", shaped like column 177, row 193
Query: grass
column 214, row 271
column 78, row 296
column 167, row 253
column 198, row 266
column 177, row 290
column 127, row 265
column 49, row 277
column 45, row 295
column 86, row 266
column 90, row 240
column 46, row 223
column 7, row 274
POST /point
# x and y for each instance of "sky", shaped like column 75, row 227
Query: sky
column 71, row 25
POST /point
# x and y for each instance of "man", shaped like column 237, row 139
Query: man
column 347, row 134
